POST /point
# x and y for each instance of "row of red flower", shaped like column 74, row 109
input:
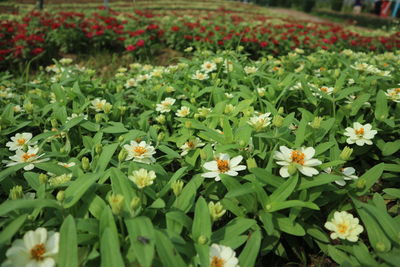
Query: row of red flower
column 79, row 32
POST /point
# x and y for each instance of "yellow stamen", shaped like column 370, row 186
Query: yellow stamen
column 359, row 131
column 37, row 252
column 217, row 262
column 298, row 157
column 140, row 150
column 223, row 165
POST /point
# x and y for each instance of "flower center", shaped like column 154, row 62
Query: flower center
column 37, row 252
column 298, row 157
column 223, row 165
column 99, row 105
column 359, row 131
column 139, row 150
column 397, row 90
column 342, row 228
column 27, row 156
column 21, row 141
column 324, row 89
column 217, row 262
column 190, row 144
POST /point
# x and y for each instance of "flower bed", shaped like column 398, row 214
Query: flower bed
column 44, row 35
column 219, row 160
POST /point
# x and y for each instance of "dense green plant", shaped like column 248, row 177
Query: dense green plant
column 158, row 164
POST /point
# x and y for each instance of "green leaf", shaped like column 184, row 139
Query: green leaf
column 177, row 175
column 235, row 227
column 358, row 103
column 381, row 109
column 167, row 252
column 393, row 192
column 188, row 195
column 267, row 177
column 301, row 131
column 285, row 190
column 275, row 206
column 171, row 154
column 11, row 229
column 109, row 249
column 121, row 185
column 68, row 251
column 250, row 252
column 105, row 157
column 78, row 188
column 202, row 221
column 243, row 189
column 14, row 205
column 321, row 179
column 142, row 237
column 370, row 177
column 11, row 170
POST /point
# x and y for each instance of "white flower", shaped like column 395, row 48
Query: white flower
column 191, row 145
column 223, row 164
column 188, row 49
column 200, row 76
column 19, row 141
column 141, row 152
column 347, row 175
column 17, row 108
column 324, row 89
column 183, row 112
column 208, row 66
column 74, row 115
column 31, row 156
column 393, row 94
column 98, row 104
column 229, row 95
column 130, row 83
column 261, row 92
column 228, row 66
column 38, row 248
column 66, row 165
column 299, row 159
column 222, row 256
column 260, row 122
column 142, row 178
column 344, row 226
column 360, row 134
column 250, row 70
column 351, row 81
column 165, row 105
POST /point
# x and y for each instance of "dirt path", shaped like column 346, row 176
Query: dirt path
column 295, row 14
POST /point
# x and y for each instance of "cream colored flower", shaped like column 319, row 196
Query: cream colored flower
column 38, row 248
column 165, row 105
column 296, row 159
column 216, row 210
column 229, row 95
column 250, row 70
column 130, row 83
column 142, row 178
column 344, row 226
column 183, row 112
column 140, row 152
column 260, row 122
column 20, row 141
column 393, row 94
column 208, row 66
column 222, row 256
column 261, row 92
column 200, row 76
column 228, row 66
column 323, row 89
column 347, row 175
column 191, row 145
column 98, row 104
column 17, row 108
column 223, row 164
column 360, row 134
column 31, row 156
column 67, row 165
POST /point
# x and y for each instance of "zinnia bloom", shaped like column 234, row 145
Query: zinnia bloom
column 191, row 145
column 140, row 152
column 183, row 112
column 299, row 159
column 31, row 156
column 344, row 226
column 260, row 122
column 360, row 134
column 165, row 105
column 223, row 164
column 200, row 76
column 38, row 248
column 19, row 141
column 98, row 104
column 393, row 94
column 142, row 178
column 208, row 66
column 222, row 256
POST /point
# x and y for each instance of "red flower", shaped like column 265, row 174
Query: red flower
column 175, row 28
column 140, row 43
column 263, row 44
column 37, row 50
column 130, row 48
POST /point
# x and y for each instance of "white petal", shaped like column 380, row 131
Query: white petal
column 210, row 174
column 211, row 166
column 284, row 172
column 231, row 173
column 239, row 168
column 307, row 171
column 309, row 152
column 312, row 162
column 236, row 160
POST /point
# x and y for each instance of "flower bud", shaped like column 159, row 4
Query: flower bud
column 229, row 108
column 60, row 195
column 54, row 123
column 177, row 187
column 380, row 246
column 98, row 148
column 277, row 121
column 116, row 202
column 122, row 109
column 16, row 192
column 28, row 107
column 160, row 136
column 188, row 124
column 361, row 183
column 202, row 240
column 107, row 108
column 346, row 153
column 121, row 138
column 193, row 100
column 203, row 154
column 251, row 163
column 292, row 169
column 316, row 123
column 122, row 155
column 135, row 203
column 85, row 164
column 98, row 117
column 216, row 210
column 43, row 178
column 160, row 119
